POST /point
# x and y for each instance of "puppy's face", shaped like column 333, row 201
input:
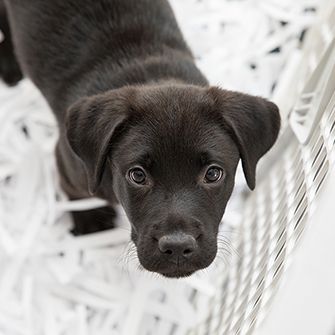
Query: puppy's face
column 169, row 155
column 173, row 172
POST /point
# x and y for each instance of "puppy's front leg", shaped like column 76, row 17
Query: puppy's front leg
column 73, row 182
column 10, row 70
column 94, row 220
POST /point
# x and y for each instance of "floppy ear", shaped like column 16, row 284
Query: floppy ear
column 92, row 124
column 253, row 123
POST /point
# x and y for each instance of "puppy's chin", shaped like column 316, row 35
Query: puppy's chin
column 177, row 274
column 172, row 270
column 179, row 271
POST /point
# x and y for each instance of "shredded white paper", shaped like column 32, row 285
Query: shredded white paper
column 52, row 283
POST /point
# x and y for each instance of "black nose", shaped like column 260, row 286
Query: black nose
column 177, row 244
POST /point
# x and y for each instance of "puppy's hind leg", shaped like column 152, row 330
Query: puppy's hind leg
column 10, row 70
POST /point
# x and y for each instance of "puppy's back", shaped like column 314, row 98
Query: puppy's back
column 57, row 41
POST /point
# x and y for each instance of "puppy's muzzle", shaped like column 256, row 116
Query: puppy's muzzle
column 177, row 247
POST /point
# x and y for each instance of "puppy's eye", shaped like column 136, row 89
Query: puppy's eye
column 137, row 175
column 213, row 174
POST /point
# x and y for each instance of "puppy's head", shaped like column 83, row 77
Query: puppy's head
column 169, row 155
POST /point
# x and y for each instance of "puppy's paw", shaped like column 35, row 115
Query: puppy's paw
column 10, row 71
column 92, row 221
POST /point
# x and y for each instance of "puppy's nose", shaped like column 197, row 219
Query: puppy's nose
column 177, row 244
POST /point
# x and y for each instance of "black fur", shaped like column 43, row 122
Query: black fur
column 9, row 69
column 126, row 92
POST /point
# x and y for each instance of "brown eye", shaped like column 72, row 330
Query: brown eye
column 213, row 174
column 137, row 175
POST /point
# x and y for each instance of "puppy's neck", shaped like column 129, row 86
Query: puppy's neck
column 176, row 68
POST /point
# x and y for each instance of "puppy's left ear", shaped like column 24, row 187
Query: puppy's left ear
column 92, row 126
column 252, row 122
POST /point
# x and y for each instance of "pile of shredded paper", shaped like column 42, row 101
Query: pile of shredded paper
column 52, row 283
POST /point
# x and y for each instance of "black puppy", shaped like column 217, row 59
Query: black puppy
column 139, row 124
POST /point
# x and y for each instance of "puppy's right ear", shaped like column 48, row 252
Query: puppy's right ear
column 92, row 124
